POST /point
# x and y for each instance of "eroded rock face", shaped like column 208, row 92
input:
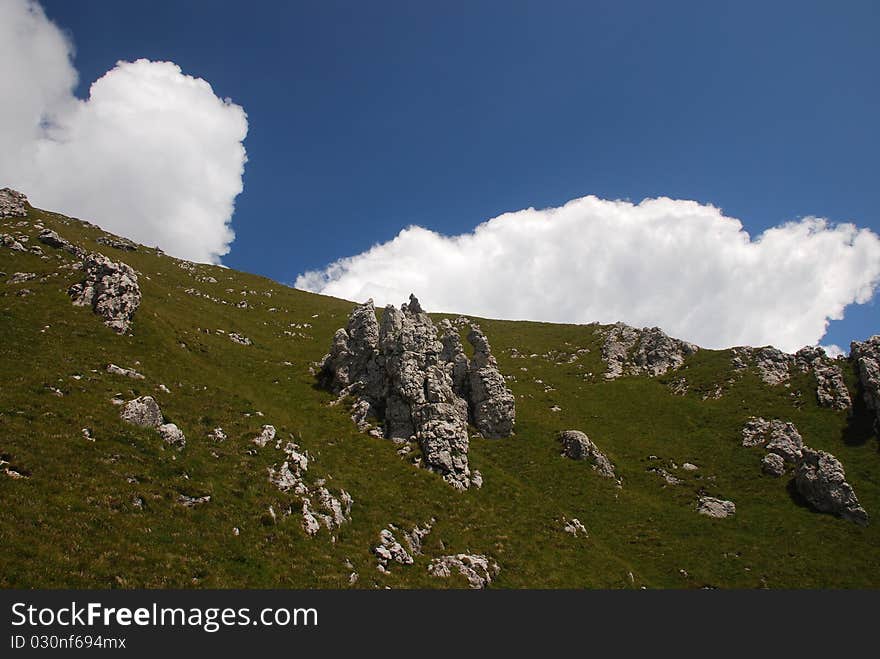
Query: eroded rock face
column 492, row 403
column 477, row 568
column 866, row 355
column 419, row 386
column 577, row 446
column 649, row 351
column 831, row 389
column 820, row 478
column 110, row 289
column 143, row 411
column 12, row 203
column 773, row 365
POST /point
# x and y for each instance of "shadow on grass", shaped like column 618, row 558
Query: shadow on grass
column 799, row 499
column 860, row 424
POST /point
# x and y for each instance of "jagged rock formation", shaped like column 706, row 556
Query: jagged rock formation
column 389, row 550
column 12, row 203
column 577, row 446
column 866, row 355
column 774, row 368
column 716, row 508
column 831, row 389
column 477, row 568
column 820, row 478
column 110, row 289
column 649, row 351
column 418, row 386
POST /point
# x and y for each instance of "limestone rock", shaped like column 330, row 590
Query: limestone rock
column 21, row 277
column 110, row 289
column 417, row 386
column 779, row 437
column 717, row 508
column 12, row 203
column 143, row 411
column 831, row 388
column 52, row 239
column 773, row 464
column 820, row 478
column 773, row 365
column 866, row 355
column 649, row 351
column 575, row 527
column 172, row 435
column 192, row 502
column 127, row 372
column 266, row 435
column 477, row 568
column 117, row 243
column 9, row 242
column 577, row 446
column 389, row 550
column 493, row 407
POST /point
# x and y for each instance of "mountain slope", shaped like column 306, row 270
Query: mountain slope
column 107, row 513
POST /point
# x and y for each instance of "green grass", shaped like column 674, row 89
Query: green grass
column 73, row 523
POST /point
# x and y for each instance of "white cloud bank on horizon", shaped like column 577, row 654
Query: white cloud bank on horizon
column 681, row 265
column 152, row 154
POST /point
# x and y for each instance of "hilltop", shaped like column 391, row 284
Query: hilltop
column 607, row 456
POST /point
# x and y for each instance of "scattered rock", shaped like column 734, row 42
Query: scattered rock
column 9, row 242
column 143, row 411
column 117, row 243
column 687, row 466
column 390, row 550
column 267, row 435
column 21, row 277
column 52, row 239
column 217, row 435
column 575, row 527
column 820, row 478
column 239, row 339
column 172, row 435
column 477, row 568
column 192, row 502
column 12, row 203
column 717, row 508
column 577, row 446
column 110, row 289
column 127, row 372
column 665, row 475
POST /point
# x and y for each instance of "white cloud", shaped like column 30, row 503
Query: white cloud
column 678, row 264
column 833, row 350
column 152, row 154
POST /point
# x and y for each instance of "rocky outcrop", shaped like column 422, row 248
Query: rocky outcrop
column 143, row 411
column 419, row 386
column 649, row 351
column 10, row 242
column 267, row 434
column 820, row 478
column 127, row 372
column 491, row 403
column 831, row 389
column 773, row 464
column 716, row 508
column 110, row 289
column 577, row 446
column 12, row 203
column 780, row 438
column 866, row 355
column 478, row 569
column 773, row 365
column 117, row 243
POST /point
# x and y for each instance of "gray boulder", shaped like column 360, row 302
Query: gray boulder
column 143, row 411
column 820, row 478
column 110, row 289
column 577, row 446
column 172, row 435
column 773, row 464
column 716, row 508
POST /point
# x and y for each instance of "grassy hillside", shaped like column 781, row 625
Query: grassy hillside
column 105, row 514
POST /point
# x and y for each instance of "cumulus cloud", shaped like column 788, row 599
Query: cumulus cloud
column 681, row 265
column 152, row 154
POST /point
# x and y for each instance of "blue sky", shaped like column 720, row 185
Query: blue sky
column 364, row 118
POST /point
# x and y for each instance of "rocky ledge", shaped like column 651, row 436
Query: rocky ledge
column 12, row 203
column 419, row 385
column 630, row 351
